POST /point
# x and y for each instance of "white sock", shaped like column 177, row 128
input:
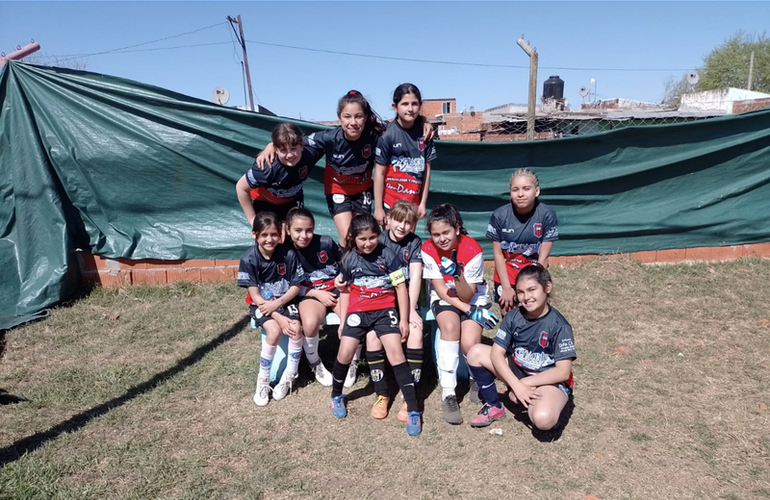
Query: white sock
column 292, row 360
column 448, row 359
column 266, row 360
column 357, row 355
column 311, row 349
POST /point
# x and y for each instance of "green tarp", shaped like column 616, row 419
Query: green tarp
column 124, row 169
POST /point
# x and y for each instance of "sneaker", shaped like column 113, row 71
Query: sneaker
column 413, row 424
column 283, row 388
column 380, row 408
column 338, row 406
column 263, row 391
column 451, row 409
column 350, row 378
column 322, row 375
column 487, row 415
column 473, row 392
column 403, row 414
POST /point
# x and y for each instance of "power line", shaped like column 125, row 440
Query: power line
column 455, row 63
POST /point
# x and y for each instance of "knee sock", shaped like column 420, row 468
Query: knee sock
column 448, row 359
column 338, row 377
column 311, row 349
column 357, row 355
column 414, row 358
column 292, row 360
column 486, row 383
column 405, row 382
column 266, row 360
column 376, row 361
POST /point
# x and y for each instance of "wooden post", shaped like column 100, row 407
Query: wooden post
column 532, row 87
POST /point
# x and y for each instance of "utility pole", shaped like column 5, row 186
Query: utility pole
column 532, row 87
column 751, row 68
column 242, row 40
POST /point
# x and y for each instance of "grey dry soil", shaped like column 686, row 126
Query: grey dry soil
column 146, row 393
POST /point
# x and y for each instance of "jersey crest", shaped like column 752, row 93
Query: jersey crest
column 303, row 171
column 406, row 255
column 421, row 143
column 366, row 151
column 281, row 268
column 538, row 230
column 382, row 265
column 544, row 339
column 323, row 256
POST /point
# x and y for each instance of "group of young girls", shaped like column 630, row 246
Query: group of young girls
column 372, row 279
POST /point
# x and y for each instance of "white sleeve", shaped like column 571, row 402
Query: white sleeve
column 430, row 270
column 474, row 270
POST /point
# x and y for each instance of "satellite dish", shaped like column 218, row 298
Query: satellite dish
column 584, row 91
column 220, row 95
column 692, row 78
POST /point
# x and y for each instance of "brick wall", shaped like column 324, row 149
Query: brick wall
column 750, row 105
column 433, row 107
column 124, row 272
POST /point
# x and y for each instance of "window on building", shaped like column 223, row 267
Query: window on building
column 446, row 107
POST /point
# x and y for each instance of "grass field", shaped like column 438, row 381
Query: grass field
column 146, row 392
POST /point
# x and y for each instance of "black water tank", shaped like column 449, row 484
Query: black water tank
column 553, row 87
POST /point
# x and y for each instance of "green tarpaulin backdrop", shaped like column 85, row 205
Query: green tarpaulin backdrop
column 130, row 170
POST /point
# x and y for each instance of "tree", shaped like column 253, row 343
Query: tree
column 728, row 64
column 674, row 88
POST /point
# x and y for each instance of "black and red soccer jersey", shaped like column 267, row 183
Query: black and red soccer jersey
column 320, row 262
column 536, row 345
column 369, row 279
column 470, row 258
column 349, row 165
column 408, row 250
column 279, row 184
column 274, row 276
column 404, row 154
column 521, row 237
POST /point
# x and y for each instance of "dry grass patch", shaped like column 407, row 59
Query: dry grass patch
column 157, row 402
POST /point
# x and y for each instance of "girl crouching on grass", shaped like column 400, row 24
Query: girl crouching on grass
column 376, row 281
column 271, row 273
column 532, row 354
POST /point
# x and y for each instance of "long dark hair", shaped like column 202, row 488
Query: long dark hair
column 359, row 224
column 373, row 124
column 263, row 220
column 446, row 212
column 404, row 89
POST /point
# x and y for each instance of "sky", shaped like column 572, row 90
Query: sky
column 305, row 55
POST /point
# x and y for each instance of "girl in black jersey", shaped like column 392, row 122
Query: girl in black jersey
column 377, row 300
column 532, row 354
column 271, row 273
column 319, row 257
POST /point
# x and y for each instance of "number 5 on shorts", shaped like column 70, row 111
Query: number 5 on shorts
column 393, row 317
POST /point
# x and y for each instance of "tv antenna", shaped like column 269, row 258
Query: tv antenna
column 220, row 95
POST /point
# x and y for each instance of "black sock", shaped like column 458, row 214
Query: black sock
column 339, row 372
column 414, row 358
column 405, row 382
column 376, row 361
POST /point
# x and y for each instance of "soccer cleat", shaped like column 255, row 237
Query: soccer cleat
column 380, row 408
column 263, row 392
column 487, row 415
column 473, row 392
column 283, row 388
column 322, row 375
column 350, row 378
column 338, row 406
column 403, row 414
column 451, row 410
column 413, row 423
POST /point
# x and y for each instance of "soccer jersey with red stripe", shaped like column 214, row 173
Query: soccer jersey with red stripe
column 537, row 344
column 521, row 237
column 470, row 258
column 274, row 276
column 349, row 165
column 404, row 154
column 371, row 288
column 279, row 184
column 320, row 262
column 408, row 250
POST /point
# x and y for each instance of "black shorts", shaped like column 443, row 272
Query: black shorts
column 333, row 291
column 520, row 374
column 436, row 306
column 279, row 210
column 360, row 203
column 497, row 293
column 288, row 310
column 383, row 322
